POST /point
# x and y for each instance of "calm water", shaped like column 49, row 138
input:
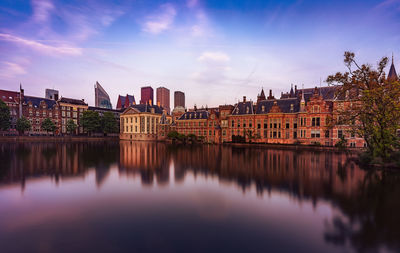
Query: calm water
column 149, row 197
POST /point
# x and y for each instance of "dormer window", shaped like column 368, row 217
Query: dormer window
column 247, row 109
column 291, row 107
column 263, row 108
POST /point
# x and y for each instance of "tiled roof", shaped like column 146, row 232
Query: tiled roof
column 147, row 108
column 392, row 73
column 284, row 105
column 199, row 114
column 131, row 99
column 36, row 101
column 93, row 108
column 243, row 108
column 327, row 92
column 72, row 101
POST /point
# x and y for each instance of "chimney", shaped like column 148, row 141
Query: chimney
column 195, row 107
column 244, row 99
column 295, row 89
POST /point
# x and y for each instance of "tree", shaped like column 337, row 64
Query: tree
column 5, row 118
column 23, row 125
column 370, row 107
column 71, row 126
column 90, row 121
column 109, row 123
column 48, row 125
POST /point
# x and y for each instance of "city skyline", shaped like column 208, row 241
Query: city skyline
column 198, row 46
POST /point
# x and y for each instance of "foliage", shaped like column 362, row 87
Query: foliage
column 48, row 125
column 71, row 126
column 109, row 123
column 371, row 105
column 174, row 135
column 342, row 143
column 23, row 125
column 90, row 121
column 5, row 118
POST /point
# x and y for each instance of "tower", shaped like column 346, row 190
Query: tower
column 392, row 76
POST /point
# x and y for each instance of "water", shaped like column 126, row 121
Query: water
column 152, row 197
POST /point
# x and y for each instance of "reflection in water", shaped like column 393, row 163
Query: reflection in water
column 362, row 205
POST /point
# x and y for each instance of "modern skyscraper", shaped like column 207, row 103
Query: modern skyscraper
column 52, row 94
column 101, row 97
column 179, row 99
column 163, row 98
column 146, row 95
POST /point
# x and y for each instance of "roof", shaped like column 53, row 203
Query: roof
column 72, row 101
column 327, row 92
column 392, row 73
column 94, row 108
column 147, row 108
column 36, row 101
column 199, row 114
column 243, row 108
column 163, row 119
column 8, row 96
column 285, row 105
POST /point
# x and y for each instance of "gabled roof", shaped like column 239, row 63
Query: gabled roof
column 327, row 92
column 243, row 108
column 71, row 101
column 36, row 101
column 199, row 114
column 8, row 96
column 123, row 100
column 284, row 105
column 392, row 73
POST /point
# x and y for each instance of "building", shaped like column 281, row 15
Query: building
column 71, row 109
column 179, row 99
column 51, row 94
column 101, row 97
column 37, row 109
column 163, row 98
column 12, row 100
column 140, row 122
column 146, row 95
column 125, row 101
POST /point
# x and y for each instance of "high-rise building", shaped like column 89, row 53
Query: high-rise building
column 102, row 99
column 51, row 94
column 146, row 95
column 179, row 99
column 163, row 98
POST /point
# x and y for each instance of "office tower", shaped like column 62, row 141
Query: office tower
column 101, row 97
column 146, row 95
column 179, row 99
column 163, row 98
column 52, row 94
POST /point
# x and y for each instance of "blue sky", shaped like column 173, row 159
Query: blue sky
column 214, row 51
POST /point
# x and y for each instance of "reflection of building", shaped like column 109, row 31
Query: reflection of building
column 140, row 122
column 163, row 98
column 179, row 99
column 101, row 97
column 146, row 95
column 71, row 109
column 51, row 94
column 125, row 101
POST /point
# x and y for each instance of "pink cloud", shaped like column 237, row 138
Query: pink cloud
column 10, row 70
column 42, row 48
column 42, row 10
column 160, row 21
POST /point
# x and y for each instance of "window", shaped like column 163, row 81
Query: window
column 250, row 123
column 295, row 135
column 244, row 123
column 315, row 121
column 233, row 123
column 315, row 134
column 258, row 125
column 326, row 133
column 340, row 133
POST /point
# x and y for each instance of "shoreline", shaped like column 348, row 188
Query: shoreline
column 56, row 138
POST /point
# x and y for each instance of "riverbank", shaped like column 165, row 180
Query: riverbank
column 57, row 138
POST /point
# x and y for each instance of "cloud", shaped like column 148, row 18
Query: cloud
column 191, row 3
column 42, row 48
column 214, row 57
column 42, row 10
column 10, row 70
column 161, row 20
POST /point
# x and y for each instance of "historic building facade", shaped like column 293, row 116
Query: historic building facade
column 141, row 122
column 71, row 109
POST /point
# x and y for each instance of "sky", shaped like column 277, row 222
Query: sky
column 214, row 51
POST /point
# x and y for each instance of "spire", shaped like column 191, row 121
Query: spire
column 302, row 101
column 392, row 76
column 291, row 91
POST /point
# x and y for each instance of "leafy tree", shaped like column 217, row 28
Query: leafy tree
column 23, row 125
column 109, row 123
column 48, row 125
column 173, row 135
column 71, row 126
column 90, row 121
column 5, row 118
column 371, row 106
